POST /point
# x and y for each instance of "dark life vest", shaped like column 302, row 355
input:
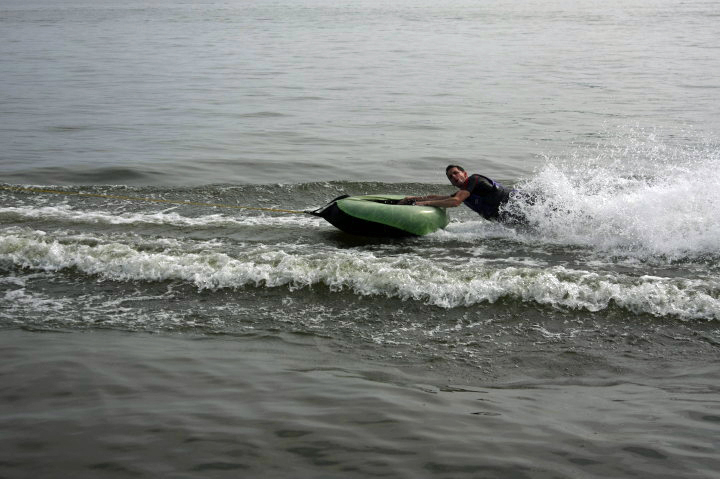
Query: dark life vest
column 486, row 196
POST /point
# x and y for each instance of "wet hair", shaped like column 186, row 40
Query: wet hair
column 448, row 167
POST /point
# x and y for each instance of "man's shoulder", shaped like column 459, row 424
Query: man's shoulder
column 479, row 184
column 473, row 180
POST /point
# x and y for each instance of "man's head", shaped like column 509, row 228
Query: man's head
column 457, row 175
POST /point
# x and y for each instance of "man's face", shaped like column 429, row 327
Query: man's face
column 457, row 177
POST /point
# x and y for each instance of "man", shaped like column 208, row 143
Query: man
column 479, row 193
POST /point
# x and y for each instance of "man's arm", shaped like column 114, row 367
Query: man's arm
column 414, row 199
column 445, row 201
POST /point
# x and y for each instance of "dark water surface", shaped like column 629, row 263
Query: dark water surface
column 147, row 338
column 117, row 404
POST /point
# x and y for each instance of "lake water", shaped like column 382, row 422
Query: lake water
column 157, row 339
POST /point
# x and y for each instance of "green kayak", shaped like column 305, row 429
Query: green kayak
column 381, row 215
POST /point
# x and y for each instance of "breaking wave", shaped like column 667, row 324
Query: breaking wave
column 210, row 265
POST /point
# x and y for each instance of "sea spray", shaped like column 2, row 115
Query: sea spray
column 645, row 200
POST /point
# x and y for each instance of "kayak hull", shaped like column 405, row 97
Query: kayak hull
column 381, row 216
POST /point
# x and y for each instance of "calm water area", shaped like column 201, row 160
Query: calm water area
column 171, row 338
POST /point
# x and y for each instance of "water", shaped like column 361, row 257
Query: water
column 151, row 339
column 261, row 92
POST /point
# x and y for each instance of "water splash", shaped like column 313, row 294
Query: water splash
column 641, row 197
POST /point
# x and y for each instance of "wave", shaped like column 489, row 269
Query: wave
column 68, row 214
column 289, row 196
column 85, row 174
column 213, row 265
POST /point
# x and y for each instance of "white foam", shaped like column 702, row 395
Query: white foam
column 20, row 299
column 646, row 200
column 409, row 277
column 67, row 213
column 12, row 280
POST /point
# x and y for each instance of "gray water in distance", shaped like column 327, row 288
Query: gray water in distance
column 254, row 91
column 148, row 339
